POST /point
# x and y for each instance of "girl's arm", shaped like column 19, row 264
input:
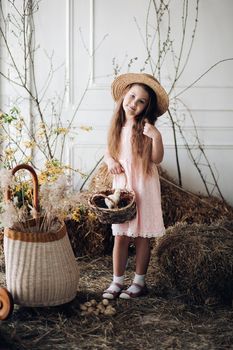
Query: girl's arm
column 157, row 142
column 114, row 167
column 157, row 149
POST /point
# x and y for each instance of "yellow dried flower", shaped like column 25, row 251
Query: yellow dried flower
column 42, row 126
column 17, row 188
column 29, row 192
column 29, row 144
column 76, row 215
column 42, row 178
column 91, row 216
column 41, row 130
column 53, row 169
column 86, row 128
column 3, row 137
column 27, row 160
column 59, row 131
column 19, row 124
column 9, row 153
column 40, row 134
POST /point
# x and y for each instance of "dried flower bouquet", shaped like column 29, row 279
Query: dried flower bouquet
column 56, row 201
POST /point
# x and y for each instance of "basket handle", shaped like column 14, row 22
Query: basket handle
column 35, row 185
column 125, row 177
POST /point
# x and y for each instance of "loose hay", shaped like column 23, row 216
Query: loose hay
column 89, row 240
column 196, row 262
column 101, row 180
column 179, row 205
column 88, row 236
column 146, row 323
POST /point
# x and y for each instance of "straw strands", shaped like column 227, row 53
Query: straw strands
column 196, row 262
column 149, row 323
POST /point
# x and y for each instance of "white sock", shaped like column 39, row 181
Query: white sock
column 139, row 279
column 118, row 279
column 113, row 287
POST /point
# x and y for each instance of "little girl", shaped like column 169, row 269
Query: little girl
column 134, row 148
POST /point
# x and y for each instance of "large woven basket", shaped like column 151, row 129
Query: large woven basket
column 125, row 211
column 41, row 269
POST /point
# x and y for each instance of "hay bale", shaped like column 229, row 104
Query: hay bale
column 88, row 236
column 179, row 205
column 89, row 239
column 196, row 262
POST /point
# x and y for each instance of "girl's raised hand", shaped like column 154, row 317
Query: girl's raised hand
column 150, row 131
column 115, row 167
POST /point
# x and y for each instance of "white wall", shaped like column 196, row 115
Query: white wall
column 87, row 36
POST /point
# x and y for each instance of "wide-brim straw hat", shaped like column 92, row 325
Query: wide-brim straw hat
column 122, row 81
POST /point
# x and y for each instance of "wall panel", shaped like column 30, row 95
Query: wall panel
column 91, row 39
column 106, row 36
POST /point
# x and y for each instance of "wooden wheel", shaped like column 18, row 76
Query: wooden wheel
column 6, row 304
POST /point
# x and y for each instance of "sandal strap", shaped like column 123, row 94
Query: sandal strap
column 117, row 284
column 138, row 285
column 109, row 290
column 142, row 291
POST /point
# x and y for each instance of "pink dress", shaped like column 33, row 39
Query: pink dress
column 149, row 219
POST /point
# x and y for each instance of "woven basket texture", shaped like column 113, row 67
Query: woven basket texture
column 41, row 269
column 40, row 273
column 125, row 211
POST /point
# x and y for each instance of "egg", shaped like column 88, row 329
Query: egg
column 93, row 308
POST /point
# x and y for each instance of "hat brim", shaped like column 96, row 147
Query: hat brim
column 122, row 81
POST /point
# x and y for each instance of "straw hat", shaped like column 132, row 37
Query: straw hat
column 122, row 81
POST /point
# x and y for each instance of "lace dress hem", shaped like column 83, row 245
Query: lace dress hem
column 143, row 235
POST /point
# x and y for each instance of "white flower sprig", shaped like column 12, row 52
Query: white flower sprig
column 56, row 200
column 6, row 179
column 9, row 216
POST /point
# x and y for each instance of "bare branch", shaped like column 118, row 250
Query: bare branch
column 201, row 76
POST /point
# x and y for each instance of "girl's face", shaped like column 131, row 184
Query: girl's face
column 135, row 101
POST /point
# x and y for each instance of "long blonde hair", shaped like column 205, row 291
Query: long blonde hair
column 141, row 144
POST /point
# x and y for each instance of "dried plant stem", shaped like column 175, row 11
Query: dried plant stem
column 178, row 70
column 28, row 34
column 211, row 171
column 91, row 172
column 201, row 76
column 201, row 148
column 176, row 147
column 189, row 149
